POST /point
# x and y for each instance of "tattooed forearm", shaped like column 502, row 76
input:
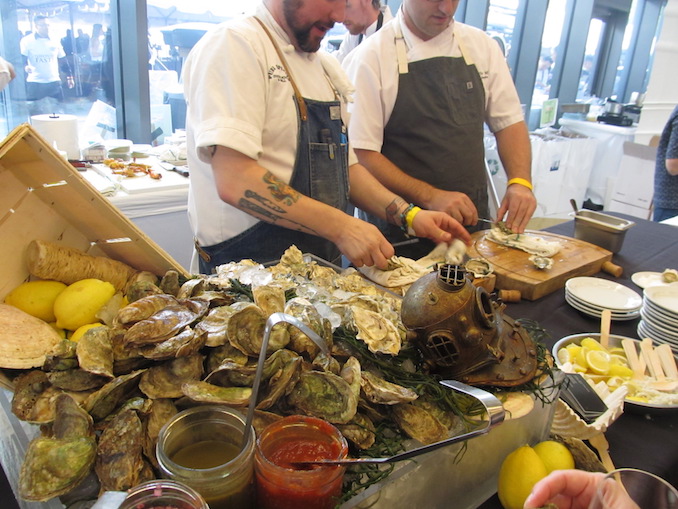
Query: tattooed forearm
column 281, row 191
column 262, row 213
column 393, row 210
column 264, row 201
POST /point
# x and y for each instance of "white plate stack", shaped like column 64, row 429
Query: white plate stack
column 659, row 315
column 592, row 295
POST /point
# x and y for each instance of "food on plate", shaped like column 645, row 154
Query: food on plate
column 24, row 339
column 610, row 367
column 670, row 275
column 131, row 169
column 47, row 260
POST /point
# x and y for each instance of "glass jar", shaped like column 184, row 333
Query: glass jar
column 202, row 447
column 279, row 484
column 163, row 493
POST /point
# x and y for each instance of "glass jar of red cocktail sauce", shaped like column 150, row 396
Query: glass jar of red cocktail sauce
column 163, row 494
column 282, row 485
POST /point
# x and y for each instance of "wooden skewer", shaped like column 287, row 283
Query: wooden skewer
column 600, row 443
column 636, row 363
column 667, row 360
column 646, row 350
column 605, row 319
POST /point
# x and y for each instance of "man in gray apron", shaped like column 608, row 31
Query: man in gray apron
column 433, row 83
column 268, row 151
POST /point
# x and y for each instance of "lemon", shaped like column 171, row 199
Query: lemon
column 36, row 298
column 620, row 371
column 61, row 331
column 563, row 355
column 598, row 361
column 519, row 472
column 619, row 360
column 581, row 358
column 574, row 349
column 80, row 331
column 592, row 344
column 555, row 455
column 617, row 350
column 78, row 304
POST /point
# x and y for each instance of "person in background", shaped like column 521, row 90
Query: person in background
column 576, row 489
column 665, row 199
column 425, row 86
column 544, row 71
column 363, row 18
column 7, row 73
column 267, row 151
column 43, row 60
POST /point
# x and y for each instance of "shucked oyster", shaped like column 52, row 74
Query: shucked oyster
column 55, row 465
column 541, row 262
column 379, row 333
column 324, row 395
column 478, row 267
column 378, row 390
column 419, row 423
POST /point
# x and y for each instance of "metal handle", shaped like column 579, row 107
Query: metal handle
column 272, row 321
column 493, row 407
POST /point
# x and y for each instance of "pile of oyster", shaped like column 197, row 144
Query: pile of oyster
column 102, row 401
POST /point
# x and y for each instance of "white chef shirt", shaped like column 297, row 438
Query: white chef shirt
column 238, row 96
column 373, row 68
column 350, row 42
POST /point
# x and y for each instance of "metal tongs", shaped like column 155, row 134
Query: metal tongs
column 493, row 407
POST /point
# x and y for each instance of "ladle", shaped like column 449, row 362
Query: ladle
column 272, row 321
column 493, row 407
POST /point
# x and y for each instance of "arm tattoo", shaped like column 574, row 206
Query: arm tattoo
column 262, row 213
column 281, row 191
column 393, row 211
column 264, row 201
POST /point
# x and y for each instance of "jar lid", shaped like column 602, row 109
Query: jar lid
column 163, row 493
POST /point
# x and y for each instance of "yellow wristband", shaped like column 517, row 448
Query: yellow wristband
column 409, row 217
column 520, row 181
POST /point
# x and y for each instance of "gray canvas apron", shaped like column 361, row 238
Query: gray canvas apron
column 320, row 172
column 444, row 146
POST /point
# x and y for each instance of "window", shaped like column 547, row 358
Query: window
column 501, row 21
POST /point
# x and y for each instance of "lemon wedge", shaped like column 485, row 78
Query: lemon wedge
column 598, row 361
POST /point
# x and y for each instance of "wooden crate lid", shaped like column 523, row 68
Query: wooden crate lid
column 44, row 197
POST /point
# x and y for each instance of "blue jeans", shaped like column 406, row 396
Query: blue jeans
column 661, row 213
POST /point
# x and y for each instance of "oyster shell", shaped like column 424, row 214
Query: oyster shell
column 324, row 395
column 246, row 328
column 541, row 262
column 62, row 357
column 165, row 380
column 205, row 392
column 76, row 380
column 119, row 460
column 165, row 323
column 283, row 379
column 169, row 283
column 360, row 431
column 217, row 355
column 269, row 298
column 160, row 412
column 419, row 423
column 143, row 308
column 186, row 343
column 379, row 333
column 95, row 351
column 103, row 402
column 479, row 267
column 377, row 390
column 140, row 289
column 215, row 325
column 305, row 311
column 34, row 397
column 55, row 465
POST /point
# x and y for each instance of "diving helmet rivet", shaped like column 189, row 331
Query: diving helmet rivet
column 431, row 298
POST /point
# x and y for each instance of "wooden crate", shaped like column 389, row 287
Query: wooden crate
column 44, row 197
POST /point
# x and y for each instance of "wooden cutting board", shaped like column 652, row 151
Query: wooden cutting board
column 515, row 272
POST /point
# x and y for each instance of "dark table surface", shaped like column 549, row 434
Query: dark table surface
column 648, row 441
column 640, row 440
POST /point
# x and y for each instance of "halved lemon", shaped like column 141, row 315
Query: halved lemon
column 592, row 344
column 598, row 361
column 621, row 371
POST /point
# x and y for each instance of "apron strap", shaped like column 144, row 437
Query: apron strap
column 401, row 50
column 462, row 47
column 303, row 112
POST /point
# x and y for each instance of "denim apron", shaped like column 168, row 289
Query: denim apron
column 444, row 146
column 320, row 172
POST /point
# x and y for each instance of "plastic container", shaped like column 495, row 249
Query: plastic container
column 163, row 494
column 601, row 229
column 298, row 438
column 202, row 447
